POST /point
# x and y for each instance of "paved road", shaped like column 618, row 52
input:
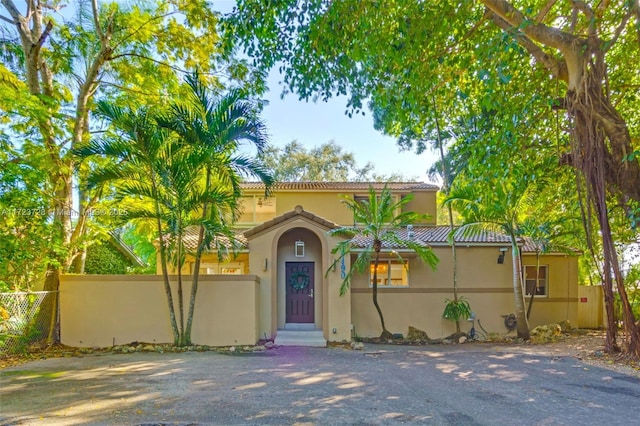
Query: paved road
column 439, row 385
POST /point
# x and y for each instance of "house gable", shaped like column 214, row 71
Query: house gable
column 297, row 213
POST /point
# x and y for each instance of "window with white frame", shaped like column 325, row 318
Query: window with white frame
column 391, row 273
column 536, row 283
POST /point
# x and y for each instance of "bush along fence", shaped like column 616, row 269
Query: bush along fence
column 26, row 318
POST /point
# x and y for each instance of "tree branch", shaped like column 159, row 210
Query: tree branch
column 557, row 67
column 635, row 9
column 12, row 9
column 540, row 33
column 544, row 11
column 131, row 34
column 96, row 19
column 588, row 12
column 4, row 18
column 136, row 55
column 45, row 34
column 573, row 48
column 618, row 31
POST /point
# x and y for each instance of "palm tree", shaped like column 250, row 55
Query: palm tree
column 381, row 219
column 545, row 236
column 180, row 179
column 214, row 126
column 500, row 210
column 138, row 152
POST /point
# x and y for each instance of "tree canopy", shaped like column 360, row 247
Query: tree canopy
column 535, row 82
column 327, row 162
column 59, row 58
column 412, row 60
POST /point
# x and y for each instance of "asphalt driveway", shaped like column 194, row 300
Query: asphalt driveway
column 441, row 385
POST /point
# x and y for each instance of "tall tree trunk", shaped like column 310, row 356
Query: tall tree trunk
column 385, row 333
column 518, row 293
column 596, row 123
column 34, row 33
column 163, row 258
column 198, row 259
column 445, row 189
column 179, row 264
column 535, row 285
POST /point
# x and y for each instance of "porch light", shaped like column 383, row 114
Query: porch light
column 503, row 251
column 299, row 249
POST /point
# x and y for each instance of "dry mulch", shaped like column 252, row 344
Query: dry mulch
column 585, row 345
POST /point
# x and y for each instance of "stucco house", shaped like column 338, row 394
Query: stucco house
column 286, row 237
column 280, row 285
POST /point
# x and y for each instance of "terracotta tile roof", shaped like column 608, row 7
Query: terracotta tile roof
column 438, row 235
column 427, row 235
column 190, row 239
column 530, row 247
column 341, row 186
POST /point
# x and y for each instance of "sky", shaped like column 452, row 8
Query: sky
column 313, row 124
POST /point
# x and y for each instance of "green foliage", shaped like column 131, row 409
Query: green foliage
column 377, row 224
column 178, row 168
column 126, row 53
column 16, row 340
column 140, row 237
column 103, row 258
column 454, row 310
column 327, row 162
column 493, row 86
column 28, row 238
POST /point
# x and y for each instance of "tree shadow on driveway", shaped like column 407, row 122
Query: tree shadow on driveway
column 381, row 385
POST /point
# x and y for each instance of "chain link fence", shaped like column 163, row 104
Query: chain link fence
column 26, row 318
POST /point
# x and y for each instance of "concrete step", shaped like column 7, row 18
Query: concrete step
column 300, row 338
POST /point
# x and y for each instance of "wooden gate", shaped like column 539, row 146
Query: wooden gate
column 591, row 307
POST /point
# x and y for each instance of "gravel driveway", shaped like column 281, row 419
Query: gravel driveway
column 477, row 384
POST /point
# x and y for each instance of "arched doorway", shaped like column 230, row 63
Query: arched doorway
column 299, row 280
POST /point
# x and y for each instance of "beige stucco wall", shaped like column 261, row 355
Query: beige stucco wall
column 102, row 310
column 275, row 245
column 424, row 202
column 329, row 204
column 486, row 284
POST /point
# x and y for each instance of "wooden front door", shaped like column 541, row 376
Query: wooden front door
column 299, row 292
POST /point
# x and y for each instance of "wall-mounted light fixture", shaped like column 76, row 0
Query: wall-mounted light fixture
column 299, row 248
column 265, row 265
column 503, row 251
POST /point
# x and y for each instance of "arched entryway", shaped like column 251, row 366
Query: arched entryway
column 300, row 287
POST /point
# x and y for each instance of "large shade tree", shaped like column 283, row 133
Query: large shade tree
column 379, row 222
column 399, row 56
column 59, row 57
